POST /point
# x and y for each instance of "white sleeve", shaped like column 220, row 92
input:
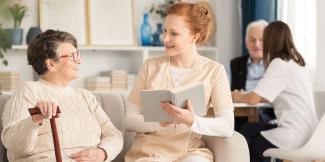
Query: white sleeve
column 222, row 124
column 217, row 126
column 19, row 132
column 274, row 81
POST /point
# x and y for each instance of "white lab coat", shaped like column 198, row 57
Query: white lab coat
column 287, row 86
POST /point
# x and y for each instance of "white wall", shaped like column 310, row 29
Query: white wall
column 228, row 30
column 320, row 66
column 226, row 15
column 227, row 36
column 228, row 26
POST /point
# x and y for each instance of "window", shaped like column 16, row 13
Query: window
column 300, row 15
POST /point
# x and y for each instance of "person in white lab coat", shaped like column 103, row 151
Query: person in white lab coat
column 285, row 84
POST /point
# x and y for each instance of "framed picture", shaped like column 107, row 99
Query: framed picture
column 111, row 22
column 65, row 15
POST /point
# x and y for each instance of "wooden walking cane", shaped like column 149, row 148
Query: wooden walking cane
column 35, row 111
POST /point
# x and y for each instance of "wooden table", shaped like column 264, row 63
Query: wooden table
column 245, row 110
column 250, row 111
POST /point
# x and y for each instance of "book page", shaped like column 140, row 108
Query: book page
column 150, row 100
column 196, row 96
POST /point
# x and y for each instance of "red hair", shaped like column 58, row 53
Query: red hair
column 199, row 19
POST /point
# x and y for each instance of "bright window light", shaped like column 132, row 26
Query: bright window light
column 300, row 15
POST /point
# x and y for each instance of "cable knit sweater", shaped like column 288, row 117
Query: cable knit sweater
column 82, row 124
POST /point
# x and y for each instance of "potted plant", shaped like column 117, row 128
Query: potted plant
column 4, row 37
column 161, row 9
column 17, row 12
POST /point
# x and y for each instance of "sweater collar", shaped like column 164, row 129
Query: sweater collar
column 54, row 87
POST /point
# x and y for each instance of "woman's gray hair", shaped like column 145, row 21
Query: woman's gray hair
column 253, row 24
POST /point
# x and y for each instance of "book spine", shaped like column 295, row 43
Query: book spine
column 173, row 98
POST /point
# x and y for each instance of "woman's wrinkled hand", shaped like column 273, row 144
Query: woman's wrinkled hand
column 90, row 155
column 48, row 110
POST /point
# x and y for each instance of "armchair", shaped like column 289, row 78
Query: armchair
column 232, row 149
column 312, row 151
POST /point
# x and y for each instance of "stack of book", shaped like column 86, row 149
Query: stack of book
column 119, row 79
column 9, row 80
column 98, row 83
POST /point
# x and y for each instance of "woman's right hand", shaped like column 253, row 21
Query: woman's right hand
column 48, row 110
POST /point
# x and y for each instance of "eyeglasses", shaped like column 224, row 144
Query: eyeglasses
column 74, row 55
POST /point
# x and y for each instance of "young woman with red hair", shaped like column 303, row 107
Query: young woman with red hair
column 186, row 26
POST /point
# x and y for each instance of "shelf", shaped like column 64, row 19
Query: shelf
column 128, row 58
column 121, row 92
column 120, row 48
column 6, row 92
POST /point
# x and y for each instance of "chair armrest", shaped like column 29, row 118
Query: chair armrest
column 228, row 149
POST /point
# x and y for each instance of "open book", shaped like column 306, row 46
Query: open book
column 151, row 101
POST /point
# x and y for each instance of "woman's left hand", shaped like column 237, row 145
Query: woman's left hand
column 90, row 155
column 185, row 116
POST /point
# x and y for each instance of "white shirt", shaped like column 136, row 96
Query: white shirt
column 254, row 74
column 178, row 74
column 288, row 87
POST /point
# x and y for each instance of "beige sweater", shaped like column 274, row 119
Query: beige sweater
column 156, row 143
column 82, row 124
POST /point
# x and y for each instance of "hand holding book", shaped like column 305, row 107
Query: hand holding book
column 174, row 103
column 185, row 116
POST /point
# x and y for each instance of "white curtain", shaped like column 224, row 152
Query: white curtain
column 300, row 15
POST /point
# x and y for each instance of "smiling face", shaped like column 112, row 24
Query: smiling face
column 254, row 42
column 66, row 68
column 177, row 37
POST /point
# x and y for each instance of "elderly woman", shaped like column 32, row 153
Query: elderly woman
column 85, row 131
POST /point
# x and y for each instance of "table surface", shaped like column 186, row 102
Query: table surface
column 241, row 104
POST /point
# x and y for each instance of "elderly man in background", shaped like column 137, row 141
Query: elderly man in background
column 247, row 70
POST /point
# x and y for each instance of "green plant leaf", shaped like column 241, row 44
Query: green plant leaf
column 161, row 9
column 5, row 62
column 4, row 45
column 152, row 9
column 18, row 12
